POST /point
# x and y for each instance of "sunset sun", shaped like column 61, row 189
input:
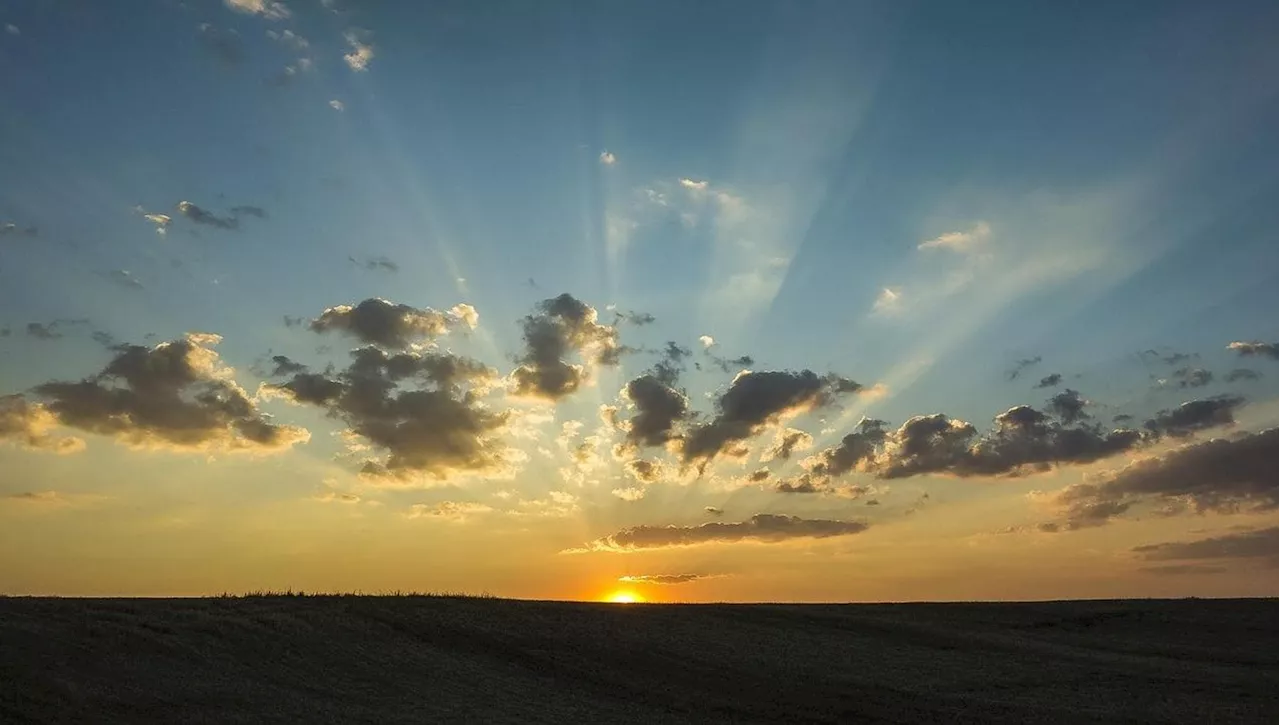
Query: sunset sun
column 624, row 597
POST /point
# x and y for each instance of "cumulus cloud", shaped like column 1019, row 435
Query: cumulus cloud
column 664, row 579
column 707, row 341
column 424, row 412
column 205, row 217
column 644, row 471
column 1068, row 405
column 659, row 407
column 1257, row 544
column 608, row 159
column 161, row 221
column 285, row 366
column 1050, row 381
column 1218, row 475
column 888, row 302
column 337, row 105
column 269, row 9
column 960, row 241
column 1189, row 377
column 762, row 528
column 561, row 326
column 30, row 425
column 1256, row 347
column 631, row 493
column 394, row 326
column 361, row 51
column 1196, row 415
column 756, row 400
column 694, row 186
column 177, row 395
column 855, row 451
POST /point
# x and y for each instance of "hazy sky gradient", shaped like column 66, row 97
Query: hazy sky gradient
column 961, row 207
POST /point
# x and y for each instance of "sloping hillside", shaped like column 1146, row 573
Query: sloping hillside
column 433, row 659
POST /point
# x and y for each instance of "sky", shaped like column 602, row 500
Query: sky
column 680, row 302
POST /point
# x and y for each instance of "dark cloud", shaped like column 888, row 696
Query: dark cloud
column 1256, row 347
column 1189, row 377
column 1021, row 365
column 759, row 475
column 248, row 210
column 804, row 483
column 561, row 326
column 764, row 528
column 1219, row 475
column 1121, row 418
column 1068, row 405
column 789, row 441
column 1170, row 358
column 175, row 395
column 425, row 411
column 42, row 331
column 855, row 449
column 644, row 471
column 729, row 364
column 29, row 425
column 753, row 401
column 634, row 318
column 284, row 366
column 104, row 339
column 659, row 407
column 375, row 264
column 665, row 579
column 713, row 511
column 1259, row 544
column 1050, row 381
column 225, row 46
column 872, row 502
column 291, row 321
column 376, row 321
column 669, row 367
column 1196, row 415
column 207, row 218
column 1023, row 440
column 1242, row 374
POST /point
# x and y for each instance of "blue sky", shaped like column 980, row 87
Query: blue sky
column 915, row 196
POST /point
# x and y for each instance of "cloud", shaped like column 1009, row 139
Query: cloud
column 51, row 330
column 451, row 510
column 707, row 341
column 1189, row 377
column 289, row 39
column 1068, row 405
column 755, row 400
column 425, row 412
column 726, row 364
column 12, row 29
column 375, row 264
column 161, row 221
column 1218, row 475
column 639, row 319
column 176, row 395
column 394, row 326
column 226, row 47
column 659, row 407
column 713, row 511
column 560, row 326
column 1258, row 544
column 124, row 278
column 1242, row 374
column 1250, row 349
column 607, row 158
column 1182, row 569
column 644, row 471
column 11, row 229
column 328, row 494
column 888, row 302
column 1050, row 381
column 694, row 186
column 290, row 321
column 788, row 441
column 1019, row 366
column 1195, row 415
column 269, row 9
column 855, row 451
column 629, row 494
column 762, row 528
column 361, row 52
column 28, row 425
column 248, row 210
column 337, row 105
column 960, row 241
column 207, row 218
column 664, row 579
column 284, row 366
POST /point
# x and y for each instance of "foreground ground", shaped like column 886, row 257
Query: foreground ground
column 430, row 659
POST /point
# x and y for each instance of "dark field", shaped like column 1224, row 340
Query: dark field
column 438, row 659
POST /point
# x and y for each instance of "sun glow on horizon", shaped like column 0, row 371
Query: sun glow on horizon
column 623, row 597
